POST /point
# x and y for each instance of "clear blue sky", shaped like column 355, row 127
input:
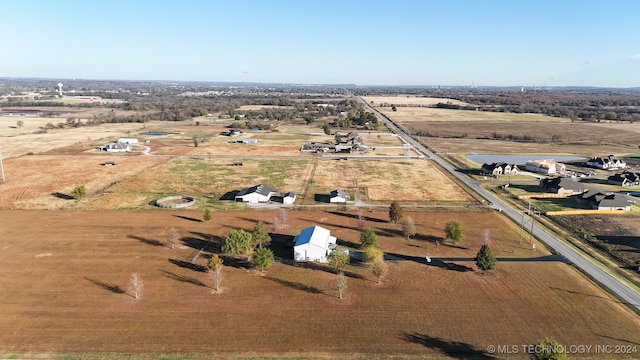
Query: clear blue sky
column 365, row 42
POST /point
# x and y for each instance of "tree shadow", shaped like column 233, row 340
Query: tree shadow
column 109, row 287
column 282, row 246
column 618, row 339
column 213, row 243
column 238, row 262
column 187, row 218
column 295, row 285
column 182, row 278
column 349, row 244
column 434, row 262
column 151, row 242
column 188, row 265
column 355, row 216
column 324, row 267
column 453, row 349
column 62, row 196
column 196, row 242
column 592, row 295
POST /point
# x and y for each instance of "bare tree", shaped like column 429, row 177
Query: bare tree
column 172, row 238
column 276, row 224
column 216, row 277
column 282, row 216
column 485, row 237
column 408, row 227
column 215, row 270
column 341, row 284
column 135, row 285
column 361, row 221
column 354, row 176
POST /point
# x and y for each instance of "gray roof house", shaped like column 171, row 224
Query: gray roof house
column 625, row 178
column 499, row 168
column 256, row 194
column 562, row 185
column 606, row 162
column 600, row 201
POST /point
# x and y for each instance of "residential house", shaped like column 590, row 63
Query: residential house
column 562, row 186
column 314, row 243
column 339, row 196
column 625, row 178
column 256, row 194
column 547, row 166
column 600, row 201
column 499, row 169
column 606, row 162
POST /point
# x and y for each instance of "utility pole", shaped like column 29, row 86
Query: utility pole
column 521, row 226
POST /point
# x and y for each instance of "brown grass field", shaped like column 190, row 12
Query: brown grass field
column 409, row 100
column 64, row 274
column 461, row 132
column 64, row 290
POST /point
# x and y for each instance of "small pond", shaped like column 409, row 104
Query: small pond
column 154, row 133
column 519, row 159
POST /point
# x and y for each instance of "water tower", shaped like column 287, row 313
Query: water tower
column 60, row 89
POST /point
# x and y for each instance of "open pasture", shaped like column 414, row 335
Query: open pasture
column 73, row 296
column 421, row 114
column 16, row 142
column 45, row 181
column 465, row 132
column 409, row 100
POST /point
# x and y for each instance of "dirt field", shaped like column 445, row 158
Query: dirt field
column 72, row 296
column 620, row 231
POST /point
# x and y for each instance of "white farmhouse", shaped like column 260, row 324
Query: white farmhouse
column 116, row 147
column 313, row 244
column 256, row 194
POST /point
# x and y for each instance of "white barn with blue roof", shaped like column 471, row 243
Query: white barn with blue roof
column 313, row 244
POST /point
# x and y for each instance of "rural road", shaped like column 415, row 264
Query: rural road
column 598, row 272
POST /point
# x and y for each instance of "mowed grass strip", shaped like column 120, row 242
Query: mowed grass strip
column 65, row 290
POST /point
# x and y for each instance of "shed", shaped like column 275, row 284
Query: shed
column 339, row 196
column 289, row 198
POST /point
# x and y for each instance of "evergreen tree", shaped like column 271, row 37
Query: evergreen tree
column 368, row 238
column 237, row 242
column 395, row 212
column 485, row 259
column 260, row 236
column 262, row 258
column 207, row 215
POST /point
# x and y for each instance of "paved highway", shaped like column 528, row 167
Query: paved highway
column 574, row 256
